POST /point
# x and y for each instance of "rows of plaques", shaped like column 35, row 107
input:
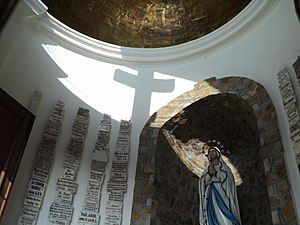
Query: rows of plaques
column 117, row 184
column 90, row 213
column 61, row 209
column 42, row 167
column 290, row 105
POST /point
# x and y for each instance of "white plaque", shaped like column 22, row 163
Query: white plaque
column 71, row 161
column 91, row 205
column 40, row 174
column 116, row 196
column 60, row 211
column 104, row 128
column 88, row 218
column 114, row 205
column 96, row 176
column 26, row 221
column 33, row 201
column 121, row 155
column 100, row 155
column 57, row 222
column 69, row 173
column 36, row 188
column 64, row 197
column 66, row 185
column 30, row 212
column 113, row 219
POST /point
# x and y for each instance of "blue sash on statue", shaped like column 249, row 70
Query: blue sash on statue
column 211, row 213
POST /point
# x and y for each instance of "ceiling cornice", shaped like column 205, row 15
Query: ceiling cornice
column 213, row 42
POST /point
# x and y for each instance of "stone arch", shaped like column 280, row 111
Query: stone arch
column 270, row 150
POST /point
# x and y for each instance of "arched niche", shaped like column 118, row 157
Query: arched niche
column 166, row 175
column 223, row 117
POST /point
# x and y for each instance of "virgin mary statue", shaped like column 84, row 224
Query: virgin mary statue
column 217, row 192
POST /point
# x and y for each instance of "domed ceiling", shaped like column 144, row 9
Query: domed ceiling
column 145, row 24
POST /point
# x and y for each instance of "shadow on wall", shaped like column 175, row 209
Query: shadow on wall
column 46, row 76
column 236, row 111
column 99, row 87
column 96, row 85
column 230, row 120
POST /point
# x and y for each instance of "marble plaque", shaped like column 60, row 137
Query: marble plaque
column 60, row 211
column 66, row 185
column 105, row 128
column 89, row 218
column 121, row 156
column 91, row 205
column 30, row 212
column 36, row 188
column 100, row 155
column 71, row 162
column 57, row 222
column 96, row 176
column 26, row 221
column 40, row 174
column 113, row 219
column 33, row 201
column 114, row 205
column 118, row 176
column 116, row 196
column 98, row 166
column 69, row 173
column 64, row 197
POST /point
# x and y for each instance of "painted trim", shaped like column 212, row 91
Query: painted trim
column 36, row 6
column 201, row 47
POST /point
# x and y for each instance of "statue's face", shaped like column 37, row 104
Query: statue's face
column 213, row 153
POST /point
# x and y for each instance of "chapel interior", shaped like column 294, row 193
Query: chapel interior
column 106, row 107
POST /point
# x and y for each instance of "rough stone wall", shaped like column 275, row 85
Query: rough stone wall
column 230, row 120
column 270, row 151
column 176, row 189
column 144, row 24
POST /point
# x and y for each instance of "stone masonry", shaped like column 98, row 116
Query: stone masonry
column 154, row 149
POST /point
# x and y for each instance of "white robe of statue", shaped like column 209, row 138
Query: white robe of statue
column 217, row 192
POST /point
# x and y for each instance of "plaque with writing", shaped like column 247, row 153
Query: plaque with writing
column 116, row 196
column 33, row 201
column 30, row 212
column 26, row 221
column 91, row 205
column 88, row 218
column 57, row 222
column 105, row 128
column 40, row 174
column 60, row 211
column 96, row 177
column 66, row 185
column 69, row 173
column 100, row 155
column 113, row 219
column 72, row 162
column 36, row 188
column 64, row 197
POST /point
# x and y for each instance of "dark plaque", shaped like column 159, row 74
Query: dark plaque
column 296, row 66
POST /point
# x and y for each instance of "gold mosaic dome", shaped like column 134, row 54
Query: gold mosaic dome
column 145, row 24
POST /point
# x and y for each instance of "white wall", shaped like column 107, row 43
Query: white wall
column 37, row 60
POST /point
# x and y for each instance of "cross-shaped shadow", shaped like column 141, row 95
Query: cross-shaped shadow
column 144, row 84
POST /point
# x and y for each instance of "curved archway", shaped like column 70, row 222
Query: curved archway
column 146, row 200
column 228, row 119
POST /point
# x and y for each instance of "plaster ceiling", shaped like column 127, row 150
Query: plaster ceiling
column 145, row 24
